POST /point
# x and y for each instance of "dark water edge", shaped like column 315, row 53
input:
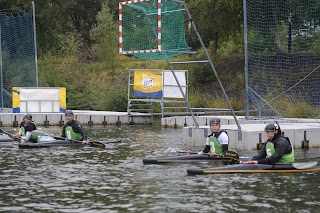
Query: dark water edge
column 114, row 179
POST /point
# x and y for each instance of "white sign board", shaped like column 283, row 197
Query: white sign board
column 28, row 100
column 170, row 86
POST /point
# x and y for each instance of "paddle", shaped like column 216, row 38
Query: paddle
column 91, row 143
column 230, row 157
column 9, row 134
column 172, row 150
column 227, row 156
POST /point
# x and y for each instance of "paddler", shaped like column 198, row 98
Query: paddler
column 73, row 129
column 26, row 128
column 277, row 148
column 217, row 141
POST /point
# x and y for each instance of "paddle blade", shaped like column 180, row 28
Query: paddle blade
column 172, row 151
column 96, row 144
column 230, row 157
column 306, row 165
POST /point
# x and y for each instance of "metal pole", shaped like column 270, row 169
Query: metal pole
column 162, row 98
column 184, row 95
column 129, row 84
column 1, row 70
column 246, row 61
column 212, row 66
column 35, row 41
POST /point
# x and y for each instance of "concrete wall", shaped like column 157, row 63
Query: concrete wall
column 300, row 134
column 84, row 117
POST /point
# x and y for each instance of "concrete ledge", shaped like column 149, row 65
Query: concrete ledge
column 185, row 121
column 301, row 135
column 86, row 118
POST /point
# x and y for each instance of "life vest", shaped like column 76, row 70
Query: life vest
column 70, row 134
column 215, row 147
column 286, row 158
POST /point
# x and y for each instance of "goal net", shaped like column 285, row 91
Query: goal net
column 152, row 29
column 283, row 51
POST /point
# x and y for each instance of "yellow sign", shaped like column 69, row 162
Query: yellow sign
column 147, row 83
column 16, row 99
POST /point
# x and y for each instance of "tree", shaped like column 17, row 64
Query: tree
column 18, row 6
column 216, row 20
column 106, row 37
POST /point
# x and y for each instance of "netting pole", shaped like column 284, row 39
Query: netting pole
column 1, row 70
column 211, row 65
column 245, row 32
column 35, row 41
column 120, row 28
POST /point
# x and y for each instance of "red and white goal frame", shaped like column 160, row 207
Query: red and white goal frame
column 120, row 29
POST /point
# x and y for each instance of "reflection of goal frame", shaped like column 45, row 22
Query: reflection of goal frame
column 120, row 29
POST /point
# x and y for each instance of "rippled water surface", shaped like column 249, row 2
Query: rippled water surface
column 114, row 179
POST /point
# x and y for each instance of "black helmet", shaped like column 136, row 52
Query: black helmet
column 272, row 128
column 68, row 112
column 29, row 116
column 214, row 121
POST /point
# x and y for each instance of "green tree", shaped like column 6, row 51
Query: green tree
column 216, row 20
column 15, row 6
column 104, row 33
column 81, row 14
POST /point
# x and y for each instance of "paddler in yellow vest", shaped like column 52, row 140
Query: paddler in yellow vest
column 277, row 148
column 26, row 128
column 217, row 141
column 72, row 129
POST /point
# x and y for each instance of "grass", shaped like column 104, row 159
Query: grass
column 102, row 86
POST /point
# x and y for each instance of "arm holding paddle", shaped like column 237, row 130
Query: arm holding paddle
column 278, row 149
column 73, row 129
column 217, row 141
column 18, row 135
column 26, row 129
column 255, row 159
column 74, row 132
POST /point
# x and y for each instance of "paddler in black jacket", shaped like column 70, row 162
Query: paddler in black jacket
column 26, row 129
column 73, row 129
column 277, row 148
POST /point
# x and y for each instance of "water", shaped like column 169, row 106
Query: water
column 88, row 179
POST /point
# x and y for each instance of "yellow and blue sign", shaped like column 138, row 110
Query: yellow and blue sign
column 147, row 84
column 16, row 99
column 35, row 97
column 63, row 99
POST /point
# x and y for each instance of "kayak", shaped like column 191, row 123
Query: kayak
column 189, row 158
column 47, row 144
column 258, row 168
column 181, row 159
column 47, row 141
column 5, row 138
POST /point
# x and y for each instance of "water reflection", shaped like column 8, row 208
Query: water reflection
column 62, row 179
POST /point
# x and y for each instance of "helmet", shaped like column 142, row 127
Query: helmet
column 214, row 120
column 272, row 128
column 68, row 112
column 29, row 116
